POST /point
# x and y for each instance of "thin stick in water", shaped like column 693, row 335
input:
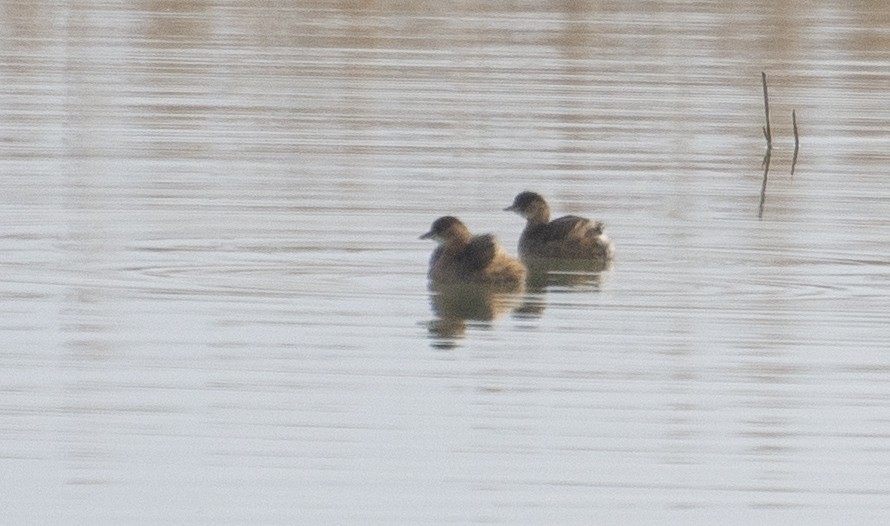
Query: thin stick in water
column 796, row 140
column 767, row 133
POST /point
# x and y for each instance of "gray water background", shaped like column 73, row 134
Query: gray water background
column 213, row 305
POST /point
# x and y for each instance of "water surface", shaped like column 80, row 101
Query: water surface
column 213, row 305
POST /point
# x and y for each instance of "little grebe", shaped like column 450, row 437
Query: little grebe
column 462, row 258
column 565, row 238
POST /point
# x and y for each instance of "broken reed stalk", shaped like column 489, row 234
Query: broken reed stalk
column 796, row 141
column 767, row 133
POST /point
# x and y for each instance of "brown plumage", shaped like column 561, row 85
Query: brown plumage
column 565, row 238
column 462, row 258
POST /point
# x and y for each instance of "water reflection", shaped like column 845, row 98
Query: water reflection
column 566, row 273
column 456, row 304
column 563, row 276
column 766, row 160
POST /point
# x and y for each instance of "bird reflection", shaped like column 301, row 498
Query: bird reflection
column 455, row 305
column 574, row 275
column 543, row 273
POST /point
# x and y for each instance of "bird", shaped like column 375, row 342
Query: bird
column 462, row 258
column 568, row 238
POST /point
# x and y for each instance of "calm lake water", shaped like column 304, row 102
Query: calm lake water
column 213, row 302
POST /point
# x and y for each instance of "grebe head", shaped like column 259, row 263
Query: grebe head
column 447, row 230
column 530, row 206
